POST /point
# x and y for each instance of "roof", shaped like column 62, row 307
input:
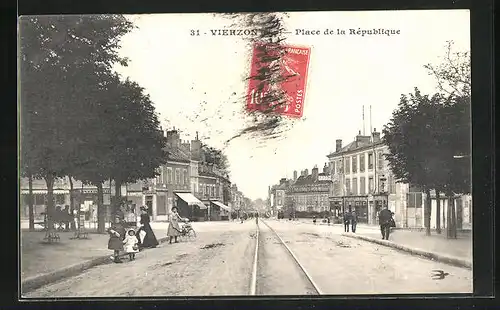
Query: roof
column 309, row 180
column 355, row 146
column 176, row 154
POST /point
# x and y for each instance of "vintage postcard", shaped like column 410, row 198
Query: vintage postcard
column 299, row 153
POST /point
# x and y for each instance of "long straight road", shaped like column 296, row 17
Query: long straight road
column 220, row 262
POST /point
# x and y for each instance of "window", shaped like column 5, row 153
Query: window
column 334, row 170
column 59, row 199
column 371, row 185
column 362, row 163
column 415, row 200
column 380, row 161
column 207, row 190
column 169, row 175
column 370, row 161
column 347, row 165
column 362, row 186
column 182, row 177
column 177, row 175
column 355, row 186
column 354, row 164
column 340, row 166
column 348, row 186
column 186, row 176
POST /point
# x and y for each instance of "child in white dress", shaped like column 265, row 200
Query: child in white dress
column 131, row 244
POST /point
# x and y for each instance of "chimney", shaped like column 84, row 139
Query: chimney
column 196, row 149
column 173, row 138
column 306, row 172
column 295, row 175
column 338, row 145
column 375, row 136
column 314, row 172
column 325, row 169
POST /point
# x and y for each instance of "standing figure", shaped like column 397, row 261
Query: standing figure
column 347, row 220
column 174, row 229
column 116, row 235
column 314, row 220
column 384, row 220
column 354, row 220
column 131, row 244
column 149, row 240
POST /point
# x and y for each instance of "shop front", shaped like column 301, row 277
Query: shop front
column 358, row 204
column 219, row 211
column 190, row 207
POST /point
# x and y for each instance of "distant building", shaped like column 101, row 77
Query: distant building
column 310, row 192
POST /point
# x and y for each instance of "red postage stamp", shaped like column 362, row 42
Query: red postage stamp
column 293, row 66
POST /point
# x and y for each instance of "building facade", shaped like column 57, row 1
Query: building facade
column 363, row 181
column 183, row 181
column 309, row 192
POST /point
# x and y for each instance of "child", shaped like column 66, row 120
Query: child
column 131, row 244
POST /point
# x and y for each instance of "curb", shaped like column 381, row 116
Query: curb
column 36, row 282
column 458, row 262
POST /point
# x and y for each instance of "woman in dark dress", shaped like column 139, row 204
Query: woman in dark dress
column 116, row 236
column 149, row 240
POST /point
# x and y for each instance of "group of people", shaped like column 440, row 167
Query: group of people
column 350, row 219
column 133, row 240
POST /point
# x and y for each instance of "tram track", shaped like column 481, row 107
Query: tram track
column 277, row 270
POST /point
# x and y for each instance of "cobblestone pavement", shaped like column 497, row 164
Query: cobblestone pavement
column 341, row 265
column 217, row 262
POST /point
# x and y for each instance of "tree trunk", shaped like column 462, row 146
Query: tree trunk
column 101, row 212
column 117, row 199
column 427, row 212
column 449, row 221
column 50, row 210
column 71, row 202
column 31, row 213
column 438, row 211
column 453, row 217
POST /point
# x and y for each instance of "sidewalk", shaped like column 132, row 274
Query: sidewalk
column 38, row 258
column 436, row 243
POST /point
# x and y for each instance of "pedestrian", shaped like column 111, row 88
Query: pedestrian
column 174, row 229
column 354, row 220
column 257, row 218
column 347, row 220
column 149, row 240
column 131, row 244
column 116, row 235
column 314, row 220
column 384, row 220
column 328, row 220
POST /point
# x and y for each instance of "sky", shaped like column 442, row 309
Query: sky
column 197, row 82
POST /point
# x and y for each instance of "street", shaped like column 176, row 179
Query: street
column 219, row 262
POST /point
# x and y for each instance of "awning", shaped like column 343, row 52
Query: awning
column 191, row 200
column 221, row 205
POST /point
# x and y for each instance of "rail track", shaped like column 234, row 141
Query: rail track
column 256, row 280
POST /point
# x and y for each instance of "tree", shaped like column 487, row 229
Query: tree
column 138, row 143
column 453, row 76
column 216, row 157
column 58, row 56
column 413, row 148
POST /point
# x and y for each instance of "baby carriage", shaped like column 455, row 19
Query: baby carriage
column 187, row 230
